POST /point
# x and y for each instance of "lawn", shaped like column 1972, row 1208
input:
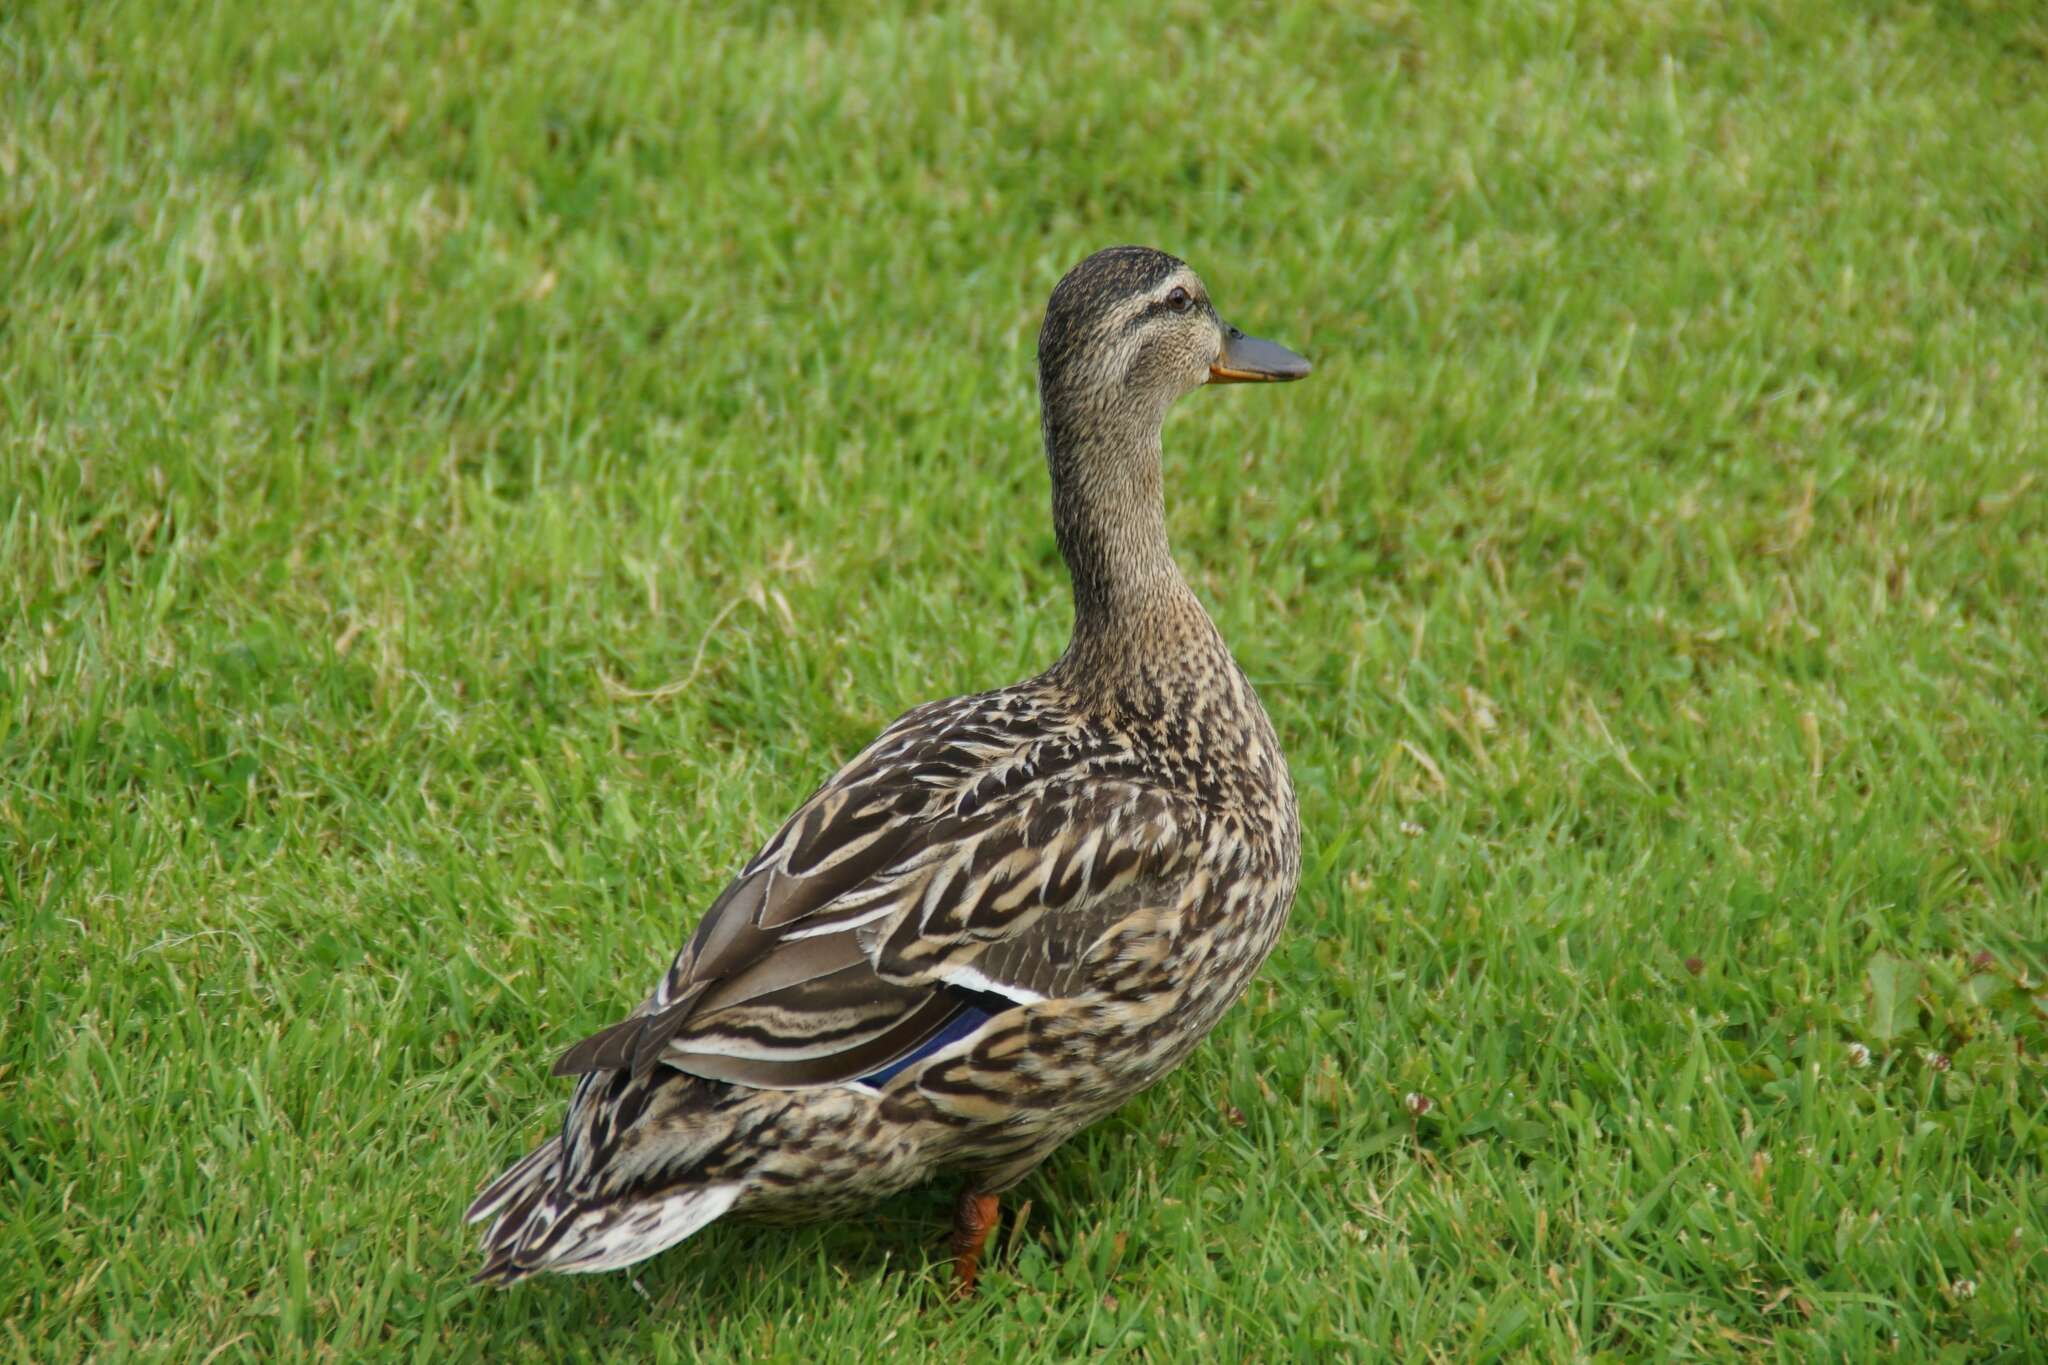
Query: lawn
column 467, row 470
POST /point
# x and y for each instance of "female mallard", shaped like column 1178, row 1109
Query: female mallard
column 1005, row 917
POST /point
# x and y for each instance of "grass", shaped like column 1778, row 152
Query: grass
column 465, row 471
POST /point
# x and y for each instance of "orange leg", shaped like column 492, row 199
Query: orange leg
column 974, row 1218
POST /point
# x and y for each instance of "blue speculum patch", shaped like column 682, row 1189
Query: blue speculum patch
column 961, row 1024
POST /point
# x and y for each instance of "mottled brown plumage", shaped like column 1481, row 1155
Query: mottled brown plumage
column 1007, row 915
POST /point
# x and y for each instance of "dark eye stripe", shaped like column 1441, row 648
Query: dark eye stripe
column 1150, row 311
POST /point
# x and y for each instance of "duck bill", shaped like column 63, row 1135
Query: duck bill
column 1251, row 360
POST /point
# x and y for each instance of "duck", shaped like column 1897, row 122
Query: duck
column 1003, row 918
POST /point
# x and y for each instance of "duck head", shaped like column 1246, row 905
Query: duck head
column 1130, row 329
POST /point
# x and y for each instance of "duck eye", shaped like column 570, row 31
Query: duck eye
column 1178, row 300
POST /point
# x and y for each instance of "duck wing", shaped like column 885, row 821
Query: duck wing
column 963, row 863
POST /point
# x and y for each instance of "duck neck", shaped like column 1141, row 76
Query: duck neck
column 1109, row 513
